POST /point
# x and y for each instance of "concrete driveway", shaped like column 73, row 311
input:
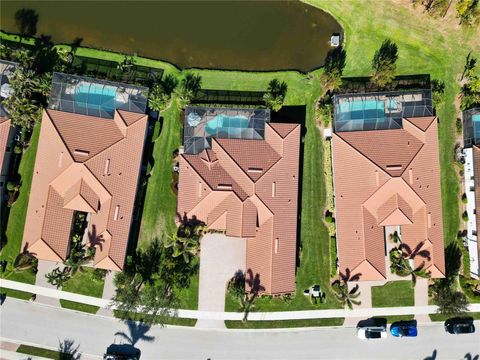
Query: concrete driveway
column 220, row 257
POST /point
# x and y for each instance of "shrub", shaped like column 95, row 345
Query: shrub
column 464, row 198
column 328, row 217
column 17, row 150
column 11, row 186
column 465, row 216
column 459, row 126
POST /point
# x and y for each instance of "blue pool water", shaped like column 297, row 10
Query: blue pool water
column 476, row 126
column 232, row 125
column 363, row 109
column 95, row 97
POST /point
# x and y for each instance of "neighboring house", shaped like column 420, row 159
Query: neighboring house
column 386, row 177
column 7, row 132
column 239, row 174
column 88, row 160
column 471, row 133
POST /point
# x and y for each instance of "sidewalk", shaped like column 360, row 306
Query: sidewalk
column 211, row 315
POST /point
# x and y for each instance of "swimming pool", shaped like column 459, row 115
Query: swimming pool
column 228, row 125
column 476, row 126
column 363, row 109
column 95, row 97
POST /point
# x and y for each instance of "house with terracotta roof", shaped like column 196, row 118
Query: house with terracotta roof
column 471, row 151
column 7, row 132
column 386, row 177
column 88, row 160
column 239, row 175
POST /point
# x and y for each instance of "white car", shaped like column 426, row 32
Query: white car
column 372, row 332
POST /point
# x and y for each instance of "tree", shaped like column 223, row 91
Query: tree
column 189, row 88
column 346, row 297
column 275, row 95
column 145, row 286
column 157, row 98
column 333, row 69
column 383, row 63
column 401, row 264
column 169, row 84
column 58, row 277
column 26, row 21
column 449, row 301
column 467, row 11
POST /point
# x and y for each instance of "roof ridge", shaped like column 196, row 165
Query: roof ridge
column 287, row 134
column 360, row 153
column 236, row 163
column 432, row 118
column 47, row 244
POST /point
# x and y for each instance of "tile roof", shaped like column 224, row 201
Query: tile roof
column 81, row 166
column 5, row 128
column 249, row 189
column 387, row 178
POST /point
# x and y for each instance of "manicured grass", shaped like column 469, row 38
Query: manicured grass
column 393, row 294
column 189, row 296
column 86, row 283
column 35, row 351
column 16, row 294
column 160, row 204
column 472, row 298
column 18, row 212
column 440, row 317
column 172, row 321
column 270, row 324
column 79, row 306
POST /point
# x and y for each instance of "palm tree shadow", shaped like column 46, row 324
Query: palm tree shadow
column 136, row 331
column 468, row 356
column 433, row 356
column 68, row 350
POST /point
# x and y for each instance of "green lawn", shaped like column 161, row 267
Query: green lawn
column 269, row 324
column 85, row 282
column 172, row 321
column 393, row 294
column 35, row 351
column 73, row 305
column 440, row 317
column 16, row 294
column 18, row 212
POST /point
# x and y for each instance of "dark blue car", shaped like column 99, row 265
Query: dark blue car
column 404, row 329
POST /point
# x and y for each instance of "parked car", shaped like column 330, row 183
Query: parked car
column 459, row 326
column 372, row 332
column 404, row 329
column 122, row 352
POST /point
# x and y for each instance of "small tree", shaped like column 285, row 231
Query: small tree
column 467, row 11
column 58, row 277
column 449, row 301
column 275, row 95
column 189, row 88
column 333, row 69
column 157, row 98
column 383, row 63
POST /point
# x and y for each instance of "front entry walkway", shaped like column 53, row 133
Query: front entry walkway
column 220, row 258
column 45, row 267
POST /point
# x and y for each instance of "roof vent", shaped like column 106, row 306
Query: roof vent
column 394, row 167
column 81, row 152
column 224, row 187
column 255, row 170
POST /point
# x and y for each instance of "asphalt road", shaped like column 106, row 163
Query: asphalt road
column 39, row 324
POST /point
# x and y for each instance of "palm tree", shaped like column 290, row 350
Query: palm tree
column 346, row 297
column 169, row 83
column 275, row 95
column 403, row 266
column 58, row 277
column 157, row 98
column 183, row 246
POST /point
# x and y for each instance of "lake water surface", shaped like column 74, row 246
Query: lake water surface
column 243, row 35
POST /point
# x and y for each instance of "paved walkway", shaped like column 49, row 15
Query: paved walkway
column 213, row 315
column 421, row 298
column 220, row 258
column 108, row 292
column 45, row 267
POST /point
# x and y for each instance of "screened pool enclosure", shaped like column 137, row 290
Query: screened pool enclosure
column 203, row 123
column 100, row 98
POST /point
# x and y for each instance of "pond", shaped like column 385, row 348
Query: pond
column 240, row 35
